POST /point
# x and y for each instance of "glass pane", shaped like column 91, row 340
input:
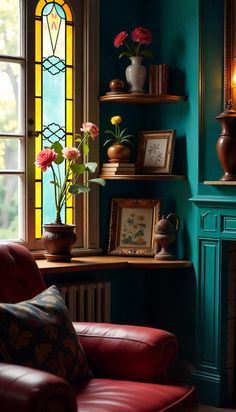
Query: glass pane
column 53, row 98
column 10, row 99
column 10, row 154
column 9, row 209
column 10, row 27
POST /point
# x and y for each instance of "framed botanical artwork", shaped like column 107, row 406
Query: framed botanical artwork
column 155, row 151
column 132, row 226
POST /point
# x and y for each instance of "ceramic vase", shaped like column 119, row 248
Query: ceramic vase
column 136, row 75
column 58, row 240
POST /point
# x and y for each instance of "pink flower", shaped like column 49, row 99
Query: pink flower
column 91, row 129
column 120, row 38
column 45, row 158
column 141, row 35
column 70, row 153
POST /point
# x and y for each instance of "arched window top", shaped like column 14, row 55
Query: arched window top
column 45, row 7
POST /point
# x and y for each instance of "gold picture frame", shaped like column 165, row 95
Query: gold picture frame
column 132, row 225
column 155, row 151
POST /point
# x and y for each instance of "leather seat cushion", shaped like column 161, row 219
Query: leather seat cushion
column 107, row 395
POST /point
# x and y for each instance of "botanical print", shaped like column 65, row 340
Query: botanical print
column 155, row 153
column 136, row 224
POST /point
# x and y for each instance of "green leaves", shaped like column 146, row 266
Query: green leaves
column 98, row 180
column 78, row 188
column 58, row 149
column 77, row 168
column 146, row 53
column 91, row 166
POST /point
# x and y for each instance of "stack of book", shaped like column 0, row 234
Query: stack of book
column 159, row 79
column 112, row 169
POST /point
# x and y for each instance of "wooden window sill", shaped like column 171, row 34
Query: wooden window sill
column 108, row 262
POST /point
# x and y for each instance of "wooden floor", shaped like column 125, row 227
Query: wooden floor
column 206, row 408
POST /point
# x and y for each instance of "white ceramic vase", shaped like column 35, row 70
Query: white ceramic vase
column 136, row 75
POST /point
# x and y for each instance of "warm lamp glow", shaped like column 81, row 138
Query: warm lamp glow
column 233, row 80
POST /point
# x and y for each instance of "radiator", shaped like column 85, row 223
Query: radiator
column 88, row 301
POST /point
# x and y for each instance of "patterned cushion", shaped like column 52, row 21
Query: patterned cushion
column 38, row 333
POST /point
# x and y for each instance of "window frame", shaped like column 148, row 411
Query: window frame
column 86, row 50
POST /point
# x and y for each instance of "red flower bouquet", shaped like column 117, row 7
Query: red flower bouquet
column 139, row 36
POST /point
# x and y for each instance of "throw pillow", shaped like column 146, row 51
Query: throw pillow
column 38, row 333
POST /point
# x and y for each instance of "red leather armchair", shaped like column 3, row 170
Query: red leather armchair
column 129, row 363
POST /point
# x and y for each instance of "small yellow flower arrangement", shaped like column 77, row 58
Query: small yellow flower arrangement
column 118, row 136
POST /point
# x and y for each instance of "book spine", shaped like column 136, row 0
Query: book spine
column 164, row 80
column 152, row 79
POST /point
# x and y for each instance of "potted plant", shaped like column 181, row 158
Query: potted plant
column 118, row 151
column 59, row 237
column 135, row 73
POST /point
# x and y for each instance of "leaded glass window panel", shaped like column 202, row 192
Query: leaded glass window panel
column 53, row 98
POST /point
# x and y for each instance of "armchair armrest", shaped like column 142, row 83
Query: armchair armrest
column 29, row 390
column 127, row 352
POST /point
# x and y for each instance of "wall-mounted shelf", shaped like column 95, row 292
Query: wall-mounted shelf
column 220, row 182
column 141, row 98
column 143, row 177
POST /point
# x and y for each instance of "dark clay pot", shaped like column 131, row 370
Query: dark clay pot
column 58, row 240
column 118, row 153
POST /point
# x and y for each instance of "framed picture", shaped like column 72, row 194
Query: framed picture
column 155, row 151
column 132, row 226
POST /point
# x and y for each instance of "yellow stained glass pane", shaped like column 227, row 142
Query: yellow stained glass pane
column 37, row 144
column 38, row 113
column 69, row 119
column 69, row 140
column 38, row 198
column 38, row 41
column 39, row 7
column 69, row 202
column 69, row 44
column 69, row 82
column 68, row 12
column 69, row 216
column 38, row 80
column 38, row 173
column 38, row 223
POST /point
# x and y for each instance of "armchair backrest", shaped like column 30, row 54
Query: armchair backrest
column 20, row 278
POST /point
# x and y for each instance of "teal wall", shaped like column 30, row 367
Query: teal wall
column 189, row 36
column 175, row 28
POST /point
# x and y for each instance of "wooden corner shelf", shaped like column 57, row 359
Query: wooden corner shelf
column 143, row 177
column 141, row 98
column 220, row 182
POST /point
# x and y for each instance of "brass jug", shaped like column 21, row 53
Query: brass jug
column 165, row 234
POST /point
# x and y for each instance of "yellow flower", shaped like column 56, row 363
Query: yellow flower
column 116, row 120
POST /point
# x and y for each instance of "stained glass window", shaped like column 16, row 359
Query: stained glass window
column 53, row 98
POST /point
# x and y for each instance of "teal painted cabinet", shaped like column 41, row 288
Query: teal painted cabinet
column 217, row 229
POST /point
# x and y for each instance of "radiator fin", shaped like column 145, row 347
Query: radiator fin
column 90, row 302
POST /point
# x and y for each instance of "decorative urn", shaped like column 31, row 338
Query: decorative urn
column 165, row 234
column 226, row 143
